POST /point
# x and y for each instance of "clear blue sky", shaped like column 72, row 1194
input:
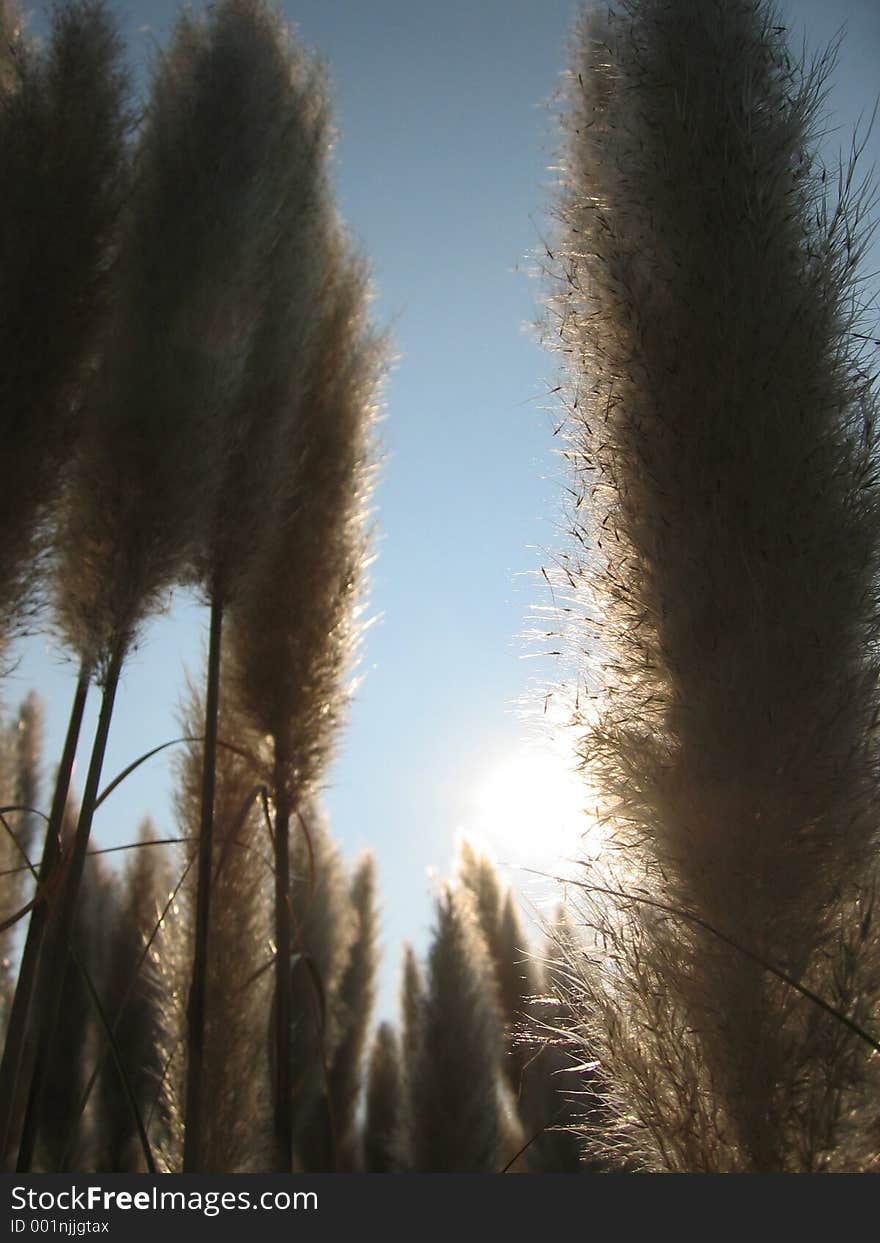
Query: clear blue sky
column 446, row 137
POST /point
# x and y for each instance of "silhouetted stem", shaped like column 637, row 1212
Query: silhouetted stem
column 60, row 932
column 192, row 1145
column 24, row 990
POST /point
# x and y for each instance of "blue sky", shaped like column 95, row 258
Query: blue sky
column 447, row 135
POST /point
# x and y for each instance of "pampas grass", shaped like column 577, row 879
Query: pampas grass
column 132, row 997
column 384, row 1103
column 62, row 146
column 515, row 979
column 454, row 1119
column 324, row 927
column 20, row 782
column 236, row 1132
column 294, row 637
column 721, row 422
column 332, row 1140
column 270, row 105
column 64, row 120
column 221, row 375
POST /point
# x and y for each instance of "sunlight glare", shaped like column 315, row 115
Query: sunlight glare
column 532, row 810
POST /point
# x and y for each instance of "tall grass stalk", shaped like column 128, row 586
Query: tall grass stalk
column 64, row 122
column 147, row 467
column 454, row 1120
column 294, row 635
column 236, row 1131
column 129, row 989
column 332, row 1142
column 61, row 925
column 722, row 435
column 324, row 927
column 276, row 145
column 384, row 1104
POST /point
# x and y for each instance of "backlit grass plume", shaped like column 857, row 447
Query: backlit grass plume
column 293, row 638
column 20, row 786
column 454, row 1121
column 412, row 1009
column 384, row 1103
column 324, row 926
column 515, row 979
column 331, row 1142
column 201, row 239
column 131, row 993
column 722, row 439
column 146, row 471
column 67, row 1137
column 64, row 120
column 236, row 1132
column 277, row 147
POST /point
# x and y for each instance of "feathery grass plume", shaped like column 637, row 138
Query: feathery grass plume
column 295, row 635
column 131, row 995
column 517, row 977
column 63, row 129
column 21, row 743
column 356, row 996
column 454, row 1122
column 158, row 427
column 507, row 947
column 478, row 877
column 518, row 984
column 384, row 1108
column 64, row 120
column 722, row 422
column 412, row 1008
column 514, row 983
column 28, row 744
column 330, row 1143
column 277, row 144
column 172, row 964
column 413, row 992
column 324, row 926
column 73, row 1056
column 563, row 1099
column 283, row 148
column 236, row 1130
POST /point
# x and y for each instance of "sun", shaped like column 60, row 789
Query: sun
column 534, row 809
